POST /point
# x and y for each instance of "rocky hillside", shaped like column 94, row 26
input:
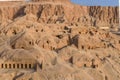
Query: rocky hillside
column 64, row 37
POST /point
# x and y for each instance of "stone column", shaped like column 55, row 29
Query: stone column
column 11, row 66
column 23, row 66
column 6, row 66
column 31, row 66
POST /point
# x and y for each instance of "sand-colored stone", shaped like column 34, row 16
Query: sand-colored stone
column 62, row 40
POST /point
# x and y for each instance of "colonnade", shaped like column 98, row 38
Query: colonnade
column 16, row 66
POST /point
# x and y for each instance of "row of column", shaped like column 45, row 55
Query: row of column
column 17, row 66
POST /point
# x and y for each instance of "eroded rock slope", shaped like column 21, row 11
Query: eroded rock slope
column 61, row 36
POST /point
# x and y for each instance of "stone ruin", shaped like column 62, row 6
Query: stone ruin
column 19, row 61
column 18, row 64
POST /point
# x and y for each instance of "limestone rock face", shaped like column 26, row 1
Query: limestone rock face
column 63, row 38
column 7, row 13
column 60, row 11
column 105, row 15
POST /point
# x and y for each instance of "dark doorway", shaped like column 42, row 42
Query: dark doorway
column 17, row 65
column 30, row 66
column 2, row 66
column 9, row 65
column 5, row 65
column 21, row 65
column 25, row 65
column 13, row 65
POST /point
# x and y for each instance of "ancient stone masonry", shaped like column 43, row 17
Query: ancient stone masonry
column 19, row 61
column 18, row 64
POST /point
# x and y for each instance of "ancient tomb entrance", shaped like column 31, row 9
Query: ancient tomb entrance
column 7, row 65
column 20, row 61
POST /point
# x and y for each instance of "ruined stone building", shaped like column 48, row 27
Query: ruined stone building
column 19, row 61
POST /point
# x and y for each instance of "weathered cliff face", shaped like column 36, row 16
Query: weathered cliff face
column 57, row 13
column 63, row 11
column 60, row 36
column 11, row 12
column 105, row 15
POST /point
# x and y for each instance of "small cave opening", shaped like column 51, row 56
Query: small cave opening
column 36, row 30
column 13, row 46
column 59, row 36
column 30, row 42
column 82, row 47
column 71, row 60
column 91, row 33
column 14, row 32
column 42, row 30
column 47, row 42
column 2, row 66
column 106, row 78
column 79, row 32
column 53, row 48
column 85, row 65
column 22, row 47
column 93, row 66
column 89, row 47
column 66, row 28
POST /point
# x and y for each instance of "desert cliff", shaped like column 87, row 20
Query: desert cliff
column 51, row 11
column 65, row 39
